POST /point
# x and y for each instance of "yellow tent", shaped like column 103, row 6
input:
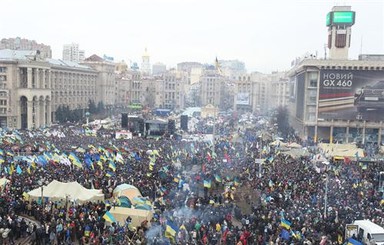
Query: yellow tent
column 137, row 215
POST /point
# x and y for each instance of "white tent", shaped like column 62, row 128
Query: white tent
column 3, row 182
column 57, row 190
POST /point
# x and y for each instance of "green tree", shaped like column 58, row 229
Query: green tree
column 92, row 107
column 100, row 107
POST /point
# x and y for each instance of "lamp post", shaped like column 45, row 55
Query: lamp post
column 326, row 195
column 41, row 184
column 87, row 114
column 42, row 196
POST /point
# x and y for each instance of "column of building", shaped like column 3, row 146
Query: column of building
column 48, row 112
column 29, row 114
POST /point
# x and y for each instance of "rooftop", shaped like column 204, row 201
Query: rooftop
column 8, row 54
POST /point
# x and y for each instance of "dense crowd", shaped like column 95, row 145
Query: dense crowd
column 200, row 194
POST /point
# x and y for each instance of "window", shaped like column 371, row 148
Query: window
column 3, row 102
column 3, row 69
column 341, row 40
column 3, row 78
column 312, row 77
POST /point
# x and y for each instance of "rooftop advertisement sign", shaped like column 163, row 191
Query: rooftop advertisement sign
column 351, row 95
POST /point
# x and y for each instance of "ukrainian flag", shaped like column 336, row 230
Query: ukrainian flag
column 109, row 174
column 109, row 217
column 207, row 184
column 236, row 182
column 285, row 223
column 171, row 230
column 218, row 178
column 112, row 166
column 119, row 158
column 75, row 160
column 176, row 179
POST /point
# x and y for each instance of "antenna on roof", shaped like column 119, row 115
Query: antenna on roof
column 325, row 51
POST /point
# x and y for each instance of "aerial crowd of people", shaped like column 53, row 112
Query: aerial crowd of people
column 232, row 190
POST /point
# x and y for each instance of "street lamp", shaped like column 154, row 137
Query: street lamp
column 87, row 114
column 326, row 194
column 41, row 184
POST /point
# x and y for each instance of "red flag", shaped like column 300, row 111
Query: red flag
column 347, row 160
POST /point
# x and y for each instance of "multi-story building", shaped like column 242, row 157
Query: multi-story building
column 173, row 90
column 188, row 66
column 27, row 45
column 25, row 90
column 261, row 91
column 162, row 91
column 158, row 68
column 338, row 99
column 211, row 89
column 243, row 93
column 73, row 85
column 71, row 52
column 258, row 92
column 146, row 64
column 122, row 88
column 232, row 68
column 105, row 84
column 280, row 92
column 31, row 88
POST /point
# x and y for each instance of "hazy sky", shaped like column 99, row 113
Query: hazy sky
column 265, row 34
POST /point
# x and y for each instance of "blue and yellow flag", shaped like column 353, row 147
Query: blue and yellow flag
column 109, row 217
column 75, row 160
column 207, row 183
column 112, row 166
column 285, row 224
column 218, row 178
column 171, row 230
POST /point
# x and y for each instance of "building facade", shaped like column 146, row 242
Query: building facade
column 158, row 68
column 338, row 100
column 211, row 88
column 27, row 45
column 146, row 64
column 280, row 90
column 31, row 88
column 71, row 52
column 106, row 79
column 73, row 85
column 25, row 90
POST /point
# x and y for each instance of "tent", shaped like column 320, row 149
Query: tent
column 293, row 145
column 137, row 215
column 56, row 191
column 340, row 151
column 3, row 182
column 126, row 190
column 124, row 202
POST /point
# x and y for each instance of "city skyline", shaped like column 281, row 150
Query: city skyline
column 266, row 36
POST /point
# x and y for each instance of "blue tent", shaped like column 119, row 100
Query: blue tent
column 124, row 202
column 143, row 207
column 352, row 241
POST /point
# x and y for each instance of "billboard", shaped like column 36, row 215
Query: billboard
column 343, row 17
column 242, row 99
column 340, row 18
column 351, row 95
